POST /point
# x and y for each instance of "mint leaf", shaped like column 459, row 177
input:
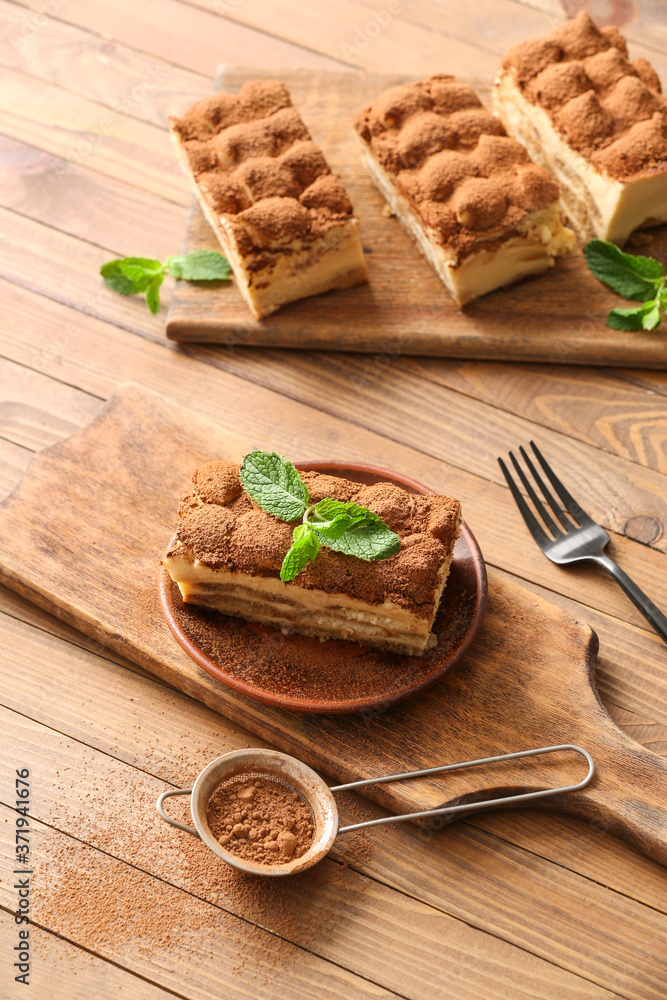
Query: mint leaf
column 274, row 485
column 153, row 294
column 304, row 548
column 200, row 265
column 652, row 317
column 644, row 317
column 335, row 528
column 116, row 280
column 368, row 540
column 631, row 276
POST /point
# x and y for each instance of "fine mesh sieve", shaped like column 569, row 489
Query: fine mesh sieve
column 320, row 798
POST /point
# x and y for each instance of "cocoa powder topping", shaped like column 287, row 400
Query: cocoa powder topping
column 609, row 109
column 221, row 527
column 454, row 162
column 261, row 819
column 256, row 164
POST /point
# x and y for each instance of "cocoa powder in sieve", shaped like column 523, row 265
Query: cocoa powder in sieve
column 261, row 819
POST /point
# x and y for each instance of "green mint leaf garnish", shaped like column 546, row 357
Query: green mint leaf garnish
column 632, row 277
column 116, row 280
column 135, row 275
column 644, row 317
column 305, row 547
column 153, row 294
column 368, row 540
column 199, row 265
column 274, row 484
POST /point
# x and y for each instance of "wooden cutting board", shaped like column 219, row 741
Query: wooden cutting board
column 405, row 309
column 82, row 537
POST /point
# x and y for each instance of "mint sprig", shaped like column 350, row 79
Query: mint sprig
column 136, row 275
column 634, row 277
column 275, row 486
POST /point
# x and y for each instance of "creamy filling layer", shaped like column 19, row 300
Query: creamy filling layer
column 542, row 238
column 596, row 205
column 310, row 612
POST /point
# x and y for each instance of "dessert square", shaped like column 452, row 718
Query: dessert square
column 227, row 555
column 593, row 118
column 483, row 215
column 285, row 223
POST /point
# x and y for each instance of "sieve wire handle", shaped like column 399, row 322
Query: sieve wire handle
column 168, row 819
column 470, row 806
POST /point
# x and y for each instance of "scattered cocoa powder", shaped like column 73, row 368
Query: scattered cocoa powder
column 261, row 819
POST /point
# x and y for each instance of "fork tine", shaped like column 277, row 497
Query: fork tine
column 546, row 492
column 570, row 503
column 539, row 506
column 534, row 528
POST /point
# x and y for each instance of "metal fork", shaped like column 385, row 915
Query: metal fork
column 571, row 542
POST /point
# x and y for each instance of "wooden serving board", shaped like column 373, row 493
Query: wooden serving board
column 83, row 534
column 406, row 309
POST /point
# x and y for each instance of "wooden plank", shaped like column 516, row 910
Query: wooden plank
column 182, row 36
column 86, row 204
column 558, row 317
column 521, row 635
column 370, row 924
column 588, row 404
column 434, row 951
column 215, row 950
column 84, row 132
column 14, row 460
column 96, row 356
column 172, row 737
column 36, row 411
column 60, row 970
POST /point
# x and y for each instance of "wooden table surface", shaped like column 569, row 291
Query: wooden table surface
column 505, row 905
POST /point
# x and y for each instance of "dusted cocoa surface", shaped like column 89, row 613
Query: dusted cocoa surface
column 609, row 109
column 256, row 164
column 225, row 530
column 453, row 161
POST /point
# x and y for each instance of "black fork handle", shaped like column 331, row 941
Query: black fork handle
column 651, row 613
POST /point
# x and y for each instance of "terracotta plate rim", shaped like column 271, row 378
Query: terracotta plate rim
column 340, row 707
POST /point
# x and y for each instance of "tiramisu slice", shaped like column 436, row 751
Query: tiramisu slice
column 596, row 120
column 285, row 223
column 481, row 212
column 228, row 553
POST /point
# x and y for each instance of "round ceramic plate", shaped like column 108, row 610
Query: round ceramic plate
column 306, row 675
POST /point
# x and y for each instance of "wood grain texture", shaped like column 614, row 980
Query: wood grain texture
column 523, row 636
column 405, row 307
column 97, row 356
column 170, row 738
column 433, row 952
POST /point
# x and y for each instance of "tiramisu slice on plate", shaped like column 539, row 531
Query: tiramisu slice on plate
column 228, row 552
column 285, row 223
column 481, row 212
column 596, row 120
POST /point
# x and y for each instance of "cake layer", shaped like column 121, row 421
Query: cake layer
column 481, row 212
column 284, row 222
column 595, row 120
column 308, row 612
column 228, row 553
